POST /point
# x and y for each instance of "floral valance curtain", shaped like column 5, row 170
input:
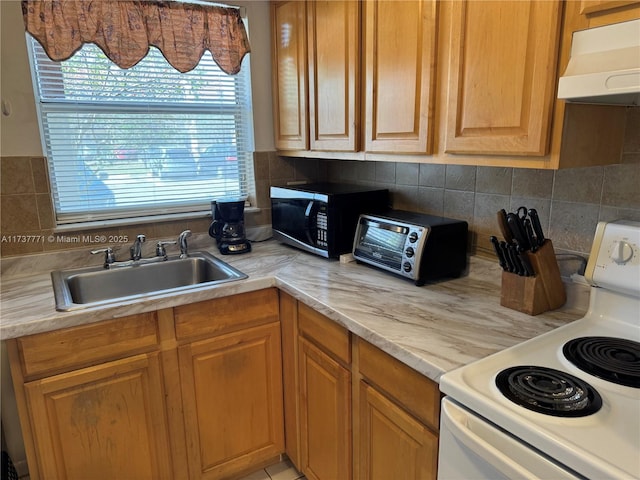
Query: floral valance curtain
column 124, row 30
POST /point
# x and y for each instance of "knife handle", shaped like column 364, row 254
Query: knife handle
column 504, row 226
column 533, row 242
column 517, row 230
column 526, row 264
column 537, row 228
column 496, row 247
column 507, row 258
column 513, row 250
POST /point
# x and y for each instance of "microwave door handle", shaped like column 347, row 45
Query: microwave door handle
column 307, row 222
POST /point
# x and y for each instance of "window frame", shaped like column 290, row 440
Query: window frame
column 144, row 214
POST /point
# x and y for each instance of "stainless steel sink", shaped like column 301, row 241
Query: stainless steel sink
column 86, row 287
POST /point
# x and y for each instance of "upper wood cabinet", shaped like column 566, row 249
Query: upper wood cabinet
column 334, row 49
column 502, row 77
column 289, row 71
column 400, row 53
column 603, row 12
column 450, row 82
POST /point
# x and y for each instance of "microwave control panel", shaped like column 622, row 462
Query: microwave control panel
column 321, row 229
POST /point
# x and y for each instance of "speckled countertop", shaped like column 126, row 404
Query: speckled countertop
column 434, row 328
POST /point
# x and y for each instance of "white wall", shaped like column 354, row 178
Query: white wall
column 19, row 133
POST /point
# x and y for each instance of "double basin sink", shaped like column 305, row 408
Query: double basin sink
column 79, row 288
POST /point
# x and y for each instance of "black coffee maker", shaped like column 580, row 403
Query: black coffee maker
column 228, row 226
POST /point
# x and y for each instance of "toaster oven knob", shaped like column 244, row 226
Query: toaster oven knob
column 406, row 266
column 413, row 237
column 409, row 252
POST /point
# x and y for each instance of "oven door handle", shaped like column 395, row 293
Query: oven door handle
column 486, row 441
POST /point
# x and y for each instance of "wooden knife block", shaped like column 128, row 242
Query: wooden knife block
column 539, row 293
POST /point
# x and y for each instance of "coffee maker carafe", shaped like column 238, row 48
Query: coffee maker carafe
column 228, row 226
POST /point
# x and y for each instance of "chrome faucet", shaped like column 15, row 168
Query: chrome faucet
column 182, row 242
column 136, row 249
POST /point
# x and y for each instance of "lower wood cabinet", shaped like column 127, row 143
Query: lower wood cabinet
column 102, row 422
column 192, row 392
column 393, row 444
column 325, row 415
column 351, row 410
column 232, row 396
column 398, row 411
column 204, row 391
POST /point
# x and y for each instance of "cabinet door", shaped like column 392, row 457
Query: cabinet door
column 333, row 46
column 597, row 13
column 102, row 422
column 393, row 444
column 289, row 57
column 232, row 396
column 400, row 41
column 325, row 415
column 588, row 7
column 502, row 76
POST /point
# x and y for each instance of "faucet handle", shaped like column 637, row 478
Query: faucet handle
column 160, row 250
column 136, row 248
column 109, row 256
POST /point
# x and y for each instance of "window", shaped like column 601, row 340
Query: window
column 144, row 141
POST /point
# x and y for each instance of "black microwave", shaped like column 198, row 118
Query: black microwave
column 321, row 218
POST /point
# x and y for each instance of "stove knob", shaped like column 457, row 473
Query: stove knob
column 406, row 266
column 621, row 252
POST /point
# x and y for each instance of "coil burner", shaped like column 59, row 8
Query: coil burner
column 548, row 391
column 613, row 359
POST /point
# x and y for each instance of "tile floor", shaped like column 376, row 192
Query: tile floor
column 280, row 471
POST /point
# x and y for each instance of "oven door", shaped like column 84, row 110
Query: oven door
column 471, row 447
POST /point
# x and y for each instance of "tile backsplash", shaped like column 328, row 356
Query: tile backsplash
column 28, row 222
column 570, row 202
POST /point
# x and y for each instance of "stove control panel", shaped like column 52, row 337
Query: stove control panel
column 614, row 262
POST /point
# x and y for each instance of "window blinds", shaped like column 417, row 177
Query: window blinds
column 144, row 141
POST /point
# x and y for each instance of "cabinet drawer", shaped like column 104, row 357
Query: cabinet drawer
column 327, row 334
column 226, row 314
column 415, row 392
column 76, row 347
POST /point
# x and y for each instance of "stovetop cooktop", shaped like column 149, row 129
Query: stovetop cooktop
column 591, row 366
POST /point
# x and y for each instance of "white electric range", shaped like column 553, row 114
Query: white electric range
column 565, row 404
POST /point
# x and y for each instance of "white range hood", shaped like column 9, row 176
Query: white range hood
column 604, row 66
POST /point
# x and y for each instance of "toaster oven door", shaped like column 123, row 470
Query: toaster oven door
column 380, row 244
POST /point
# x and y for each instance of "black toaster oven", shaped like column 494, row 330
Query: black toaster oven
column 414, row 245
